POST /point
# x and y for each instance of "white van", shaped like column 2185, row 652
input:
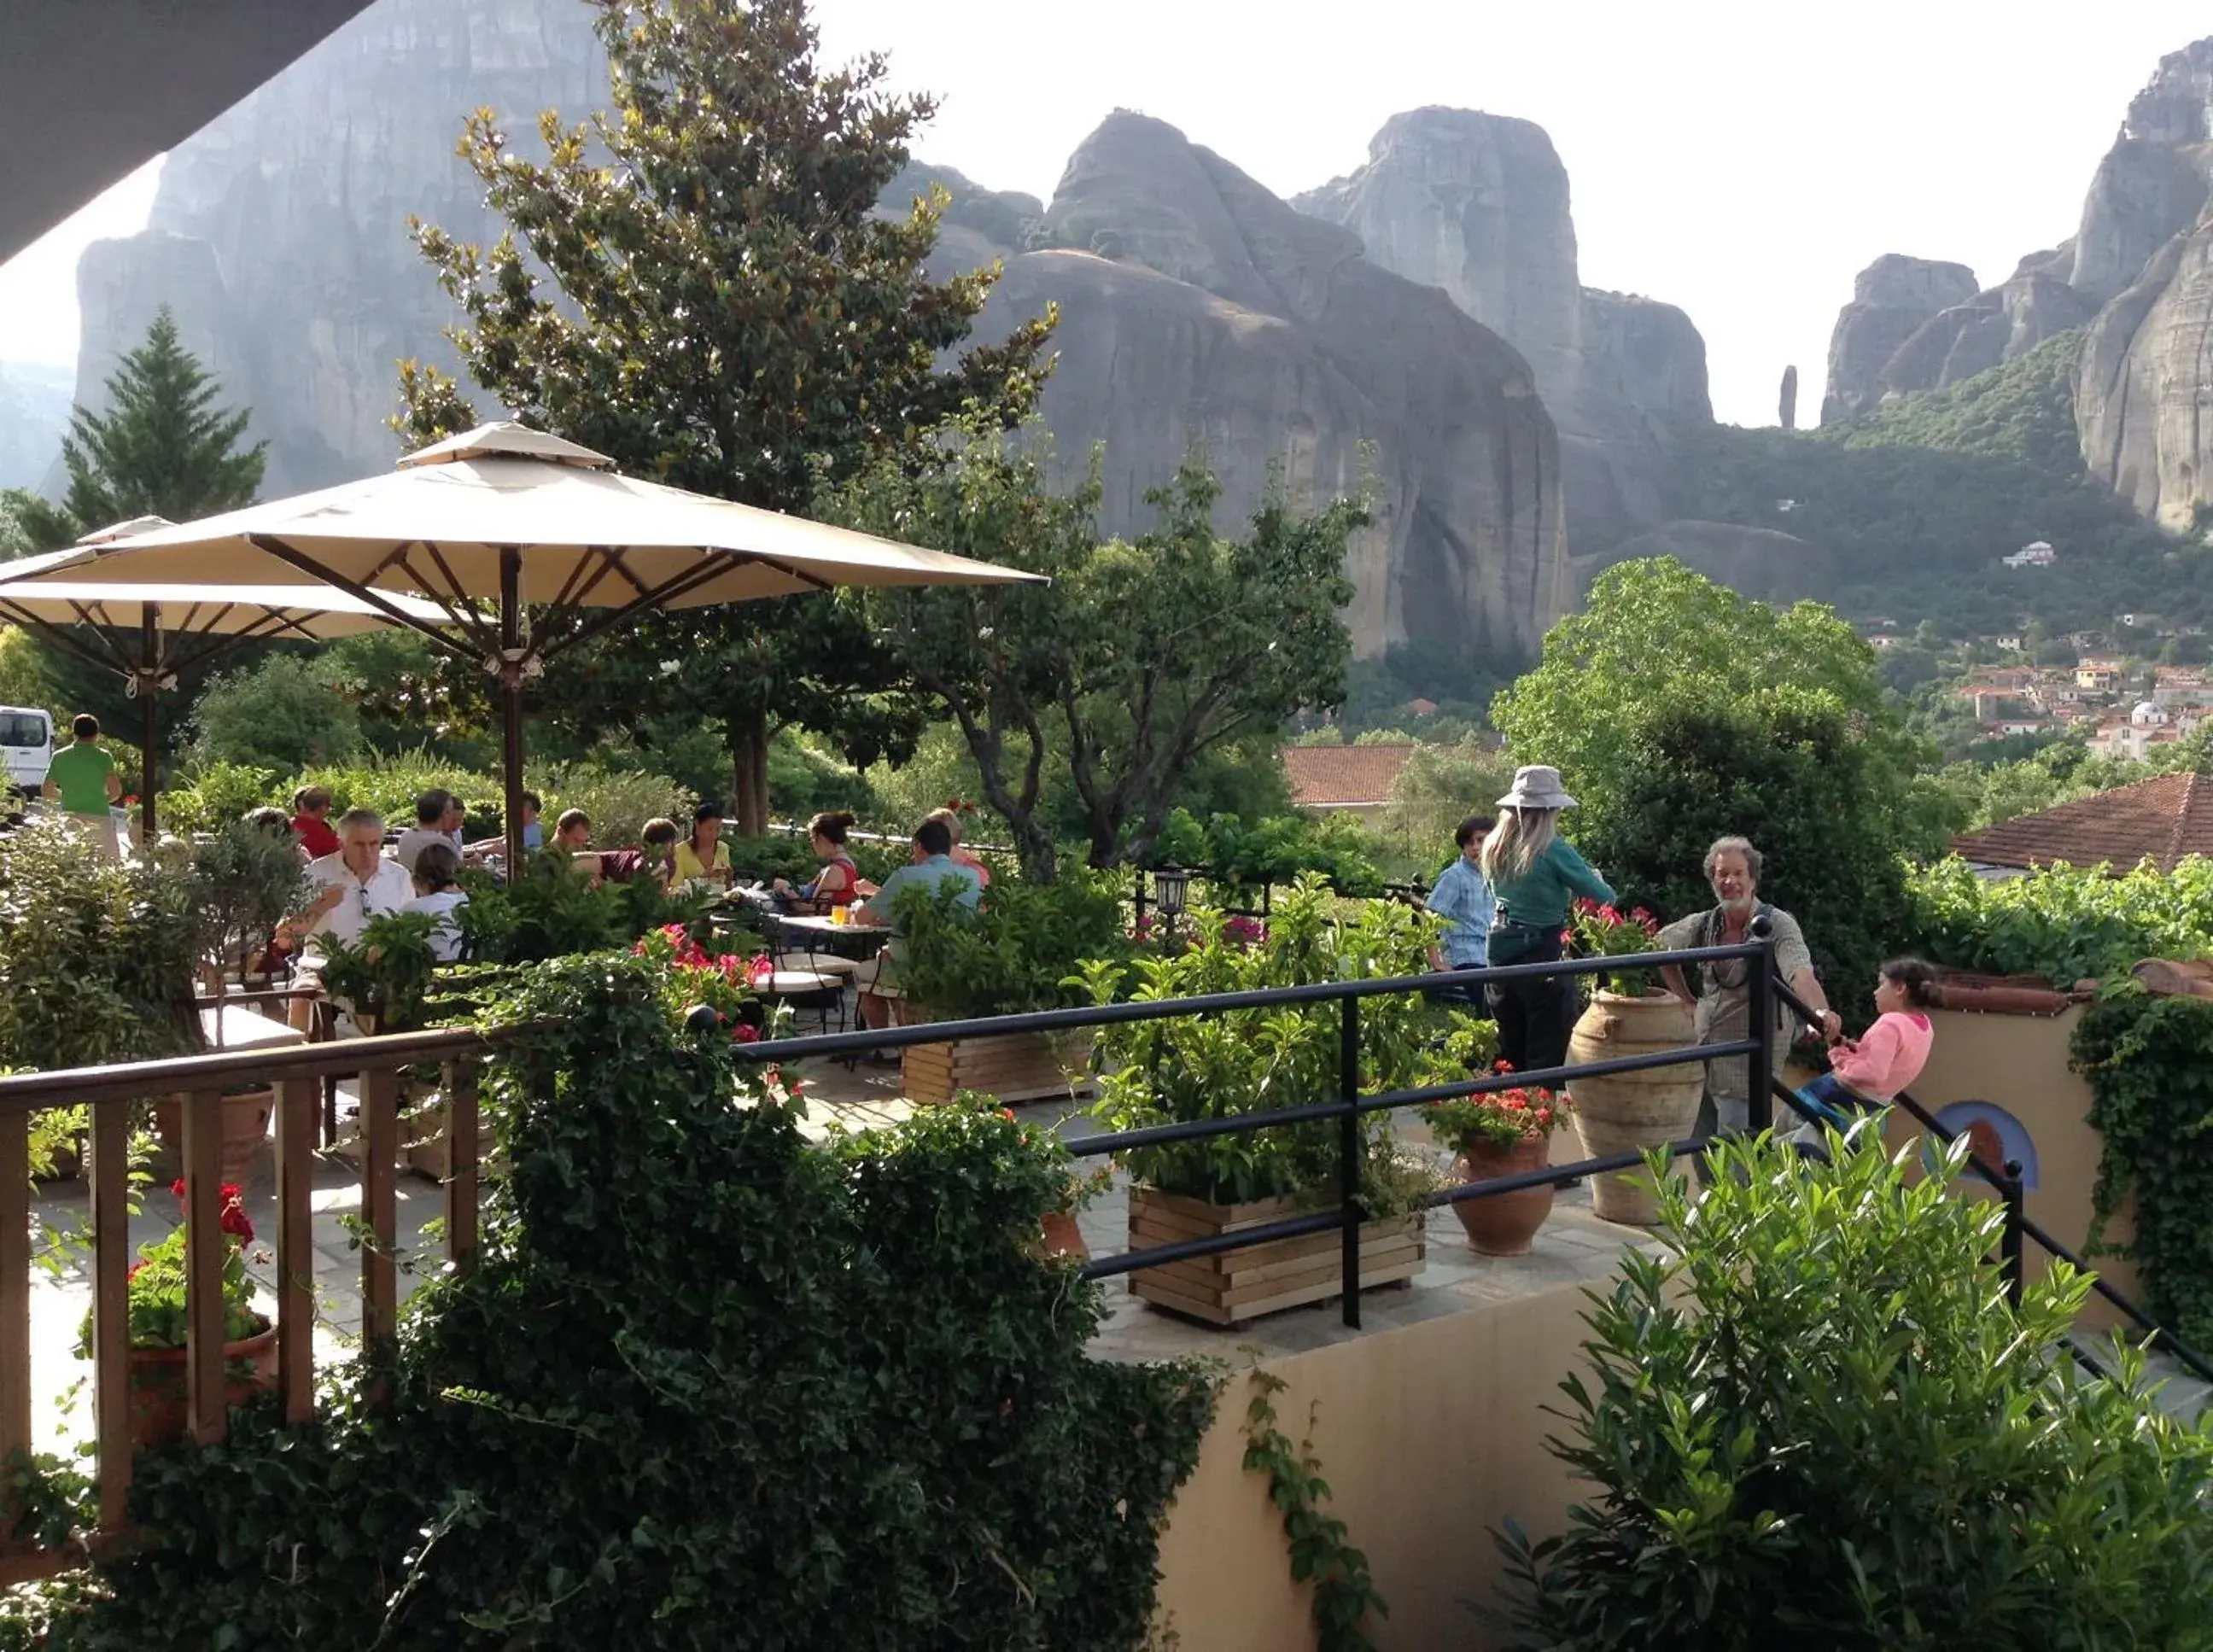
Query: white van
column 26, row 745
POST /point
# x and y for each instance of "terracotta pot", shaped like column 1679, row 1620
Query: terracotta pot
column 1620, row 1112
column 160, row 1391
column 1504, row 1223
column 245, row 1130
column 1063, row 1237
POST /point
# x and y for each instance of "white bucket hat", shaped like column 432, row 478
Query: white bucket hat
column 1536, row 786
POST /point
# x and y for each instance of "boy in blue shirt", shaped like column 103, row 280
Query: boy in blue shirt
column 1463, row 895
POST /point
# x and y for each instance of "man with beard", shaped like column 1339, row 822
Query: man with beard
column 1718, row 997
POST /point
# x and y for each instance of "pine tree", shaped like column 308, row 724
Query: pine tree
column 734, row 317
column 163, row 449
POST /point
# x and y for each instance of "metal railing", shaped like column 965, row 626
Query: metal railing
column 299, row 1075
column 2019, row 1228
column 1349, row 1106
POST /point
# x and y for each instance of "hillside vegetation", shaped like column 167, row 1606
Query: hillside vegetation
column 1919, row 499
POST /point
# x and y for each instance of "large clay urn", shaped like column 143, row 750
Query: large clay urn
column 1616, row 1113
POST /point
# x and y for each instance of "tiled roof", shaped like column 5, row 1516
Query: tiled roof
column 2161, row 821
column 1343, row 777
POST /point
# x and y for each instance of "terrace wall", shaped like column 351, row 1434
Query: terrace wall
column 1429, row 1436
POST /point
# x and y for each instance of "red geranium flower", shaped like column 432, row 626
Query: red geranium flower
column 747, row 1034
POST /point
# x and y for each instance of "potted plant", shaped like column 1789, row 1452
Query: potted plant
column 1503, row 1133
column 159, row 1385
column 246, row 881
column 1015, row 953
column 1256, row 1061
column 383, row 980
column 1629, row 1014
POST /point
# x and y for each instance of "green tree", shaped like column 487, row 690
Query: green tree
column 1142, row 656
column 285, row 714
column 726, row 312
column 162, row 448
column 1679, row 711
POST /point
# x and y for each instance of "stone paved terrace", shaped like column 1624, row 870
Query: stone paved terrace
column 1573, row 1247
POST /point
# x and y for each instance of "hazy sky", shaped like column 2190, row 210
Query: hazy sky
column 1741, row 158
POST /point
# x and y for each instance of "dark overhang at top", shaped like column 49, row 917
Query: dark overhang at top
column 92, row 89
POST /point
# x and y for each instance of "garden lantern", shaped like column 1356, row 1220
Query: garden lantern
column 1171, row 884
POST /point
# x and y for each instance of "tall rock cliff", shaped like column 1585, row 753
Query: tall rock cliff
column 1477, row 205
column 1197, row 306
column 1892, row 299
column 2144, row 381
column 279, row 237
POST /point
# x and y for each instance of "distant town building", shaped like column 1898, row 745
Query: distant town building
column 2037, row 553
column 2009, row 642
column 1346, row 779
column 2097, row 675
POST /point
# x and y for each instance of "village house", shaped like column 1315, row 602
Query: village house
column 2037, row 553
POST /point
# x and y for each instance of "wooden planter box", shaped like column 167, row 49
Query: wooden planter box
column 427, row 1150
column 1240, row 1285
column 1018, row 1067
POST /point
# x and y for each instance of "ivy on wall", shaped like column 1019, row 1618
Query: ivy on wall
column 2148, row 1062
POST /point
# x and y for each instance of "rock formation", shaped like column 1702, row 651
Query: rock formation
column 1197, row 306
column 34, row 409
column 1786, row 407
column 1755, row 562
column 2134, row 277
column 2146, row 371
column 1478, row 204
column 1892, row 299
column 278, row 234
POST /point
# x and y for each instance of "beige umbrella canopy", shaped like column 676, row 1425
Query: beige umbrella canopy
column 503, row 518
column 151, row 635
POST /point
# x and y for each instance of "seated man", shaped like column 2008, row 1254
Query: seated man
column 932, row 867
column 534, row 832
column 431, row 810
column 357, row 884
column 656, row 854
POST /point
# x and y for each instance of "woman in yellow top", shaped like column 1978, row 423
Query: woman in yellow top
column 702, row 856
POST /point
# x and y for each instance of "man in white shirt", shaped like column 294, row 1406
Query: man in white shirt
column 356, row 884
column 431, row 810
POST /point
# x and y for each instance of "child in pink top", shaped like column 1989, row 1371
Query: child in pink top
column 1868, row 1071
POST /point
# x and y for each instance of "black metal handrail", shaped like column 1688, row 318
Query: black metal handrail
column 1346, row 1109
column 2007, row 1180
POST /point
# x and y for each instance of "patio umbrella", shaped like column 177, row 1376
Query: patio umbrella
column 151, row 634
column 504, row 519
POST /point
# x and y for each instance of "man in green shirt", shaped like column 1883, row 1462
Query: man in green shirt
column 82, row 777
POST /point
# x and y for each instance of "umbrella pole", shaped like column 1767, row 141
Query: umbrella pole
column 510, row 694
column 149, row 724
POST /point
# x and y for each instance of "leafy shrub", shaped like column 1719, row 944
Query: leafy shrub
column 620, row 800
column 2061, row 922
column 557, row 912
column 1819, row 1424
column 390, row 784
column 1251, row 1061
column 284, row 714
column 246, row 881
column 1017, row 953
column 386, row 973
column 1240, row 857
column 219, row 794
column 708, row 1385
column 96, row 958
column 2148, row 1062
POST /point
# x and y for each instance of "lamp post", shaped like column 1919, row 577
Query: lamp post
column 1171, row 885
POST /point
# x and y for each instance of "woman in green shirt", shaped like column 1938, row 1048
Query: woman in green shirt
column 1536, row 875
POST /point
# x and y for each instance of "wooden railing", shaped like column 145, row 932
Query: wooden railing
column 298, row 1075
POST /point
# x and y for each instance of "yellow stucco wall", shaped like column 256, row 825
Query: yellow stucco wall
column 1429, row 1437
column 2019, row 1063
